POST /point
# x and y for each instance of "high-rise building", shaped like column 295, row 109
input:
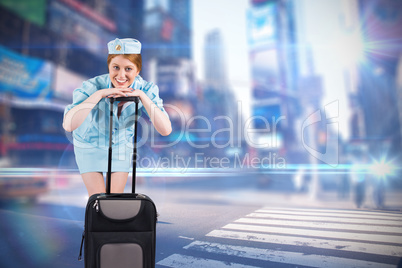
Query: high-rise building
column 128, row 16
column 214, row 60
column 167, row 61
column 167, row 47
column 377, row 94
column 272, row 61
column 181, row 12
column 167, row 29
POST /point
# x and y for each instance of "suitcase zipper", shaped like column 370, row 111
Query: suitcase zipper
column 82, row 242
column 96, row 206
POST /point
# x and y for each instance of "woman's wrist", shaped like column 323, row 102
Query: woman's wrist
column 142, row 95
column 98, row 94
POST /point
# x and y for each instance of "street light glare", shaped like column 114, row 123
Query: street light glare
column 382, row 168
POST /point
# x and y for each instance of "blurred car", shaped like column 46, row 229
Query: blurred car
column 25, row 188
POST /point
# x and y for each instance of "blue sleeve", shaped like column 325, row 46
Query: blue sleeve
column 81, row 94
column 152, row 91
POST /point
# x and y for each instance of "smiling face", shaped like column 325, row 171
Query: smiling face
column 122, row 71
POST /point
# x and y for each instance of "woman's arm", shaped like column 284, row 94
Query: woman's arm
column 76, row 116
column 160, row 121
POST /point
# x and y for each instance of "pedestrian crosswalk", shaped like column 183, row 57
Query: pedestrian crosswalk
column 294, row 237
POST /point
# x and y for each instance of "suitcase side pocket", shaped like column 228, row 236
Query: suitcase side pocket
column 111, row 248
column 115, row 215
column 122, row 255
column 120, row 210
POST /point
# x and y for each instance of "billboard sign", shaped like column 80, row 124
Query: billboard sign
column 262, row 26
column 92, row 14
column 23, row 76
column 33, row 11
column 266, row 122
column 265, row 72
column 77, row 28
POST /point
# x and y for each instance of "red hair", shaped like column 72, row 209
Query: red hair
column 134, row 58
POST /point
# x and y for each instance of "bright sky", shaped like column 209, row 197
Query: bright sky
column 319, row 27
column 330, row 28
column 230, row 17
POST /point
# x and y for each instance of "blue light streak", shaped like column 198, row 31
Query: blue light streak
column 290, row 169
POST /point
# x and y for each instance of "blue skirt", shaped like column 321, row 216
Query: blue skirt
column 95, row 159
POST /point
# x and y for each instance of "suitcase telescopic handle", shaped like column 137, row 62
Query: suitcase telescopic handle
column 136, row 100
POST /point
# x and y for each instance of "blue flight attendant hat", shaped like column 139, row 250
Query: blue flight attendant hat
column 124, row 46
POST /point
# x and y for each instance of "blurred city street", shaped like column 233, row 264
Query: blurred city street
column 283, row 141
column 224, row 221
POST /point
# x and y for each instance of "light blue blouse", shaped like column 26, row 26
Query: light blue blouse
column 92, row 136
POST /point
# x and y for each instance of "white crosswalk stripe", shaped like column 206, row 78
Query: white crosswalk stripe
column 323, row 225
column 183, row 261
column 300, row 237
column 295, row 258
column 322, row 234
column 310, row 242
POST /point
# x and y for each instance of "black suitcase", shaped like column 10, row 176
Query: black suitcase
column 120, row 229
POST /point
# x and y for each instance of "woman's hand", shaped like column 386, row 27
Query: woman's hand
column 114, row 92
column 160, row 121
column 76, row 116
column 136, row 93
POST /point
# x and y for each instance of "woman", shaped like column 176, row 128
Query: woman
column 88, row 116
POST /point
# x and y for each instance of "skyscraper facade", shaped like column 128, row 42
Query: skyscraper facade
column 214, row 60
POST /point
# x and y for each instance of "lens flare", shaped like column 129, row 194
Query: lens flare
column 382, row 168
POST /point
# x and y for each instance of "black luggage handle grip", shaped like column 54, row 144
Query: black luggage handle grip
column 134, row 99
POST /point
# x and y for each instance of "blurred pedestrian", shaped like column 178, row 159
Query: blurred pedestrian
column 344, row 187
column 87, row 117
column 344, row 182
column 359, row 174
